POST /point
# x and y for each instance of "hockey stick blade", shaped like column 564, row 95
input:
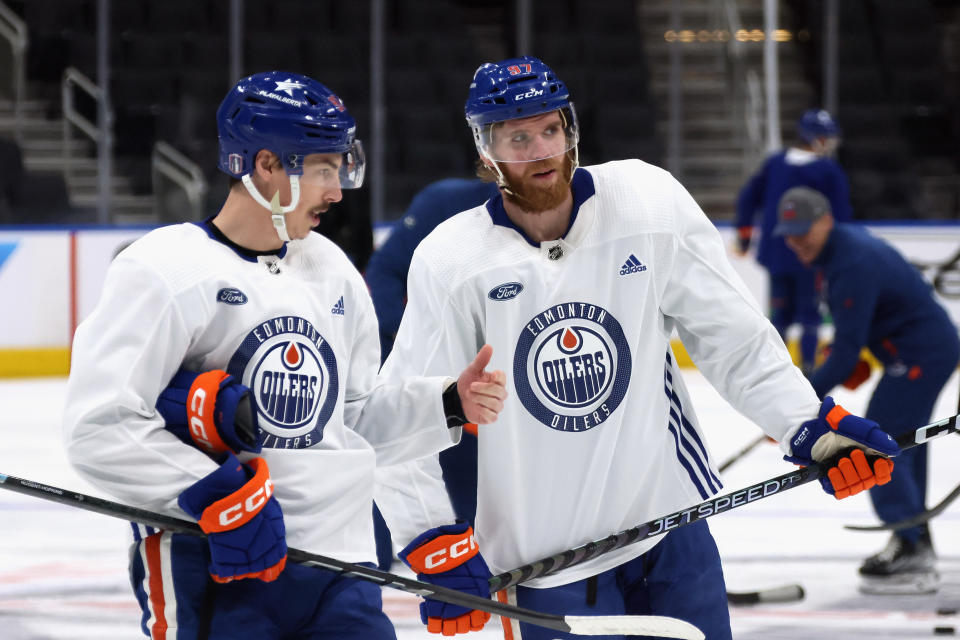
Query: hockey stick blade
column 585, row 625
column 706, row 509
column 914, row 521
column 651, row 626
column 786, row 593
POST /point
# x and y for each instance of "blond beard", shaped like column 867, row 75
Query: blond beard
column 535, row 199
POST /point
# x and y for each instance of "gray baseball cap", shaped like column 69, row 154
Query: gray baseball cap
column 799, row 208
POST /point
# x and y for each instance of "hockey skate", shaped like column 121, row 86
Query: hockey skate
column 901, row 568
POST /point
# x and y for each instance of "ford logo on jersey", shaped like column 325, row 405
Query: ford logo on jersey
column 231, row 296
column 572, row 366
column 292, row 374
column 505, row 291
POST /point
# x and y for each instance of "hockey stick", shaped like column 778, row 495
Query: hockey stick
column 739, row 454
column 914, row 521
column 787, row 593
column 711, row 507
column 658, row 626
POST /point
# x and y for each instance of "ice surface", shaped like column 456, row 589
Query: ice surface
column 63, row 571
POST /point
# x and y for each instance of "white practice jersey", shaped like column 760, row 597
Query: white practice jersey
column 299, row 329
column 598, row 433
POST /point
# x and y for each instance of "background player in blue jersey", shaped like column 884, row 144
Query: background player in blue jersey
column 879, row 301
column 249, row 319
column 793, row 287
column 386, row 275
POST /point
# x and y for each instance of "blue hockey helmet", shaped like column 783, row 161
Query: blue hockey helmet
column 817, row 123
column 516, row 88
column 292, row 116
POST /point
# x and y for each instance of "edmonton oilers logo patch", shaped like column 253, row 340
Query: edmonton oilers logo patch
column 292, row 374
column 572, row 366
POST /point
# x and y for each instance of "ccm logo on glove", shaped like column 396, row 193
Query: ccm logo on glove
column 443, row 553
column 241, row 506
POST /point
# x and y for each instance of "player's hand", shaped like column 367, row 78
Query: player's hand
column 830, row 436
column 482, row 392
column 210, row 410
column 448, row 557
column 235, row 507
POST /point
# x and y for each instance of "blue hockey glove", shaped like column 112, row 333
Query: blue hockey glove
column 448, row 557
column 210, row 410
column 235, row 507
column 829, row 436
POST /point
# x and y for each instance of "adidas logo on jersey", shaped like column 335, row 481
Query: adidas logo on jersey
column 337, row 309
column 632, row 265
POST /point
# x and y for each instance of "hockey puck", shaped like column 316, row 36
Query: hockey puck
column 944, row 631
column 946, row 612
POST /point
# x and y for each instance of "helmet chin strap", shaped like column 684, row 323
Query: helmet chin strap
column 277, row 213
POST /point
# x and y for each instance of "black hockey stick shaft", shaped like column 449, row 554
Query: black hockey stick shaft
column 914, row 521
column 711, row 507
column 167, row 523
column 739, row 454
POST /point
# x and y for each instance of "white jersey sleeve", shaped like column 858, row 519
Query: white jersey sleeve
column 398, row 417
column 412, row 498
column 726, row 334
column 434, row 337
column 123, row 355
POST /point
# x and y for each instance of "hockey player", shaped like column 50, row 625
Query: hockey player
column 577, row 277
column 793, row 287
column 266, row 336
column 879, row 301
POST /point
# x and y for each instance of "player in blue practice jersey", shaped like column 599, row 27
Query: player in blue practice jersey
column 386, row 275
column 577, row 276
column 229, row 375
column 793, row 287
column 879, row 301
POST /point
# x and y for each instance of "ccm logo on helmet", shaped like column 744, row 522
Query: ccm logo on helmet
column 456, row 550
column 533, row 93
column 249, row 506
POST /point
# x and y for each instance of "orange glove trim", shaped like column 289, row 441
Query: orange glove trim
column 443, row 553
column 835, row 415
column 853, row 474
column 267, row 575
column 201, row 402
column 238, row 508
column 472, row 621
column 883, row 469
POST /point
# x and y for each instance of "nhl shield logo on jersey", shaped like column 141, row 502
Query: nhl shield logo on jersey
column 292, row 374
column 572, row 366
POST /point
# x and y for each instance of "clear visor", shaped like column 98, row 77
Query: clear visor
column 353, row 166
column 528, row 139
column 327, row 170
